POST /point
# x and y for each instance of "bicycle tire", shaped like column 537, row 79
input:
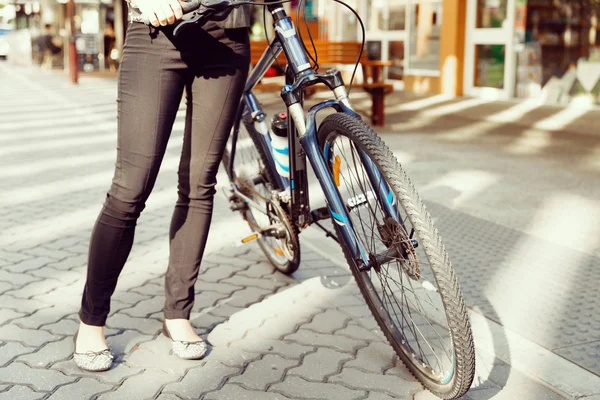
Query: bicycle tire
column 289, row 266
column 463, row 353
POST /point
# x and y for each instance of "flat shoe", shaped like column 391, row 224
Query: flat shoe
column 186, row 350
column 93, row 361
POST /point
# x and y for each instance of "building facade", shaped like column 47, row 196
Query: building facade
column 497, row 49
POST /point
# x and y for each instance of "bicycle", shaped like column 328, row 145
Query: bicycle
column 397, row 250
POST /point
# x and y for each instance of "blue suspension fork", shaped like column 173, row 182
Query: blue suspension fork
column 336, row 204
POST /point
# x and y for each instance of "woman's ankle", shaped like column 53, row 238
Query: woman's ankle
column 90, row 338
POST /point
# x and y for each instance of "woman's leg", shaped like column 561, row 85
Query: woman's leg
column 151, row 83
column 213, row 98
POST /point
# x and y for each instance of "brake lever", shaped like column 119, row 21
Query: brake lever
column 200, row 18
column 210, row 10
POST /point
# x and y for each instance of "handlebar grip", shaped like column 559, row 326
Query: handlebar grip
column 186, row 7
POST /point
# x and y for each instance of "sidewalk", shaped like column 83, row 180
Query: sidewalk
column 305, row 337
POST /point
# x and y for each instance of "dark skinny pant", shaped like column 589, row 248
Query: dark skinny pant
column 210, row 64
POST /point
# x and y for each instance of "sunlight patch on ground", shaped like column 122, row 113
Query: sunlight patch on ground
column 562, row 118
column 517, row 111
column 530, row 142
column 467, row 184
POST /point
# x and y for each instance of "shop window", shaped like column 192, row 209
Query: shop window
column 489, row 65
column 396, row 55
column 491, row 13
column 424, row 35
column 376, row 15
column 397, row 16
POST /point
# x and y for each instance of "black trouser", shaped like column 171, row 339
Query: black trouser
column 211, row 64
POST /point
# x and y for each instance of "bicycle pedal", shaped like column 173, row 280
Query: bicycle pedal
column 250, row 238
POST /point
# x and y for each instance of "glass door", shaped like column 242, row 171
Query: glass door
column 490, row 59
column 385, row 22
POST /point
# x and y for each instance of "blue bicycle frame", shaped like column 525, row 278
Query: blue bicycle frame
column 302, row 136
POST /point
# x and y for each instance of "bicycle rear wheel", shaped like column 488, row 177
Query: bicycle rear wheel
column 254, row 181
column 409, row 284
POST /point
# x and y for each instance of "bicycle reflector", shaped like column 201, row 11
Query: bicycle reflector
column 336, row 170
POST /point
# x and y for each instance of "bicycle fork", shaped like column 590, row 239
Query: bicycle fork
column 307, row 132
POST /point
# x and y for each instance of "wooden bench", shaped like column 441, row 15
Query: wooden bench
column 332, row 54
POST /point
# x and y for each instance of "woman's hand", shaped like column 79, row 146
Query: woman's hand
column 160, row 12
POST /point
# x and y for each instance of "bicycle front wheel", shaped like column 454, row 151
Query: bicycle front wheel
column 409, row 283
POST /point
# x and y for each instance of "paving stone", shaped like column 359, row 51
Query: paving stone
column 50, row 353
column 5, row 287
column 63, row 327
column 358, row 332
column 63, row 243
column 72, row 262
column 296, row 387
column 21, row 393
column 311, row 338
column 208, row 376
column 384, row 383
column 376, row 358
column 220, row 287
column 149, row 289
column 26, row 306
column 122, row 343
column 86, row 388
column 259, row 270
column 142, row 386
column 156, row 355
column 258, row 375
column 356, row 311
column 225, row 310
column 29, row 337
column 232, row 357
column 17, row 279
column 63, row 276
column 201, row 320
column 29, row 264
column 425, row 395
column 248, row 296
column 221, row 260
column 119, row 371
column 316, row 366
column 400, row 371
column 215, row 274
column 7, row 314
column 130, row 297
column 13, row 255
column 146, row 307
column 383, row 396
column 10, row 350
column 36, row 288
column 42, row 251
column 40, row 379
column 143, row 325
column 168, row 396
column 42, row 317
column 273, row 346
column 235, row 392
column 206, row 299
column 586, row 355
column 265, row 282
column 327, row 322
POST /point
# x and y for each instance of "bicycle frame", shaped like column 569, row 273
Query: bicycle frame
column 302, row 135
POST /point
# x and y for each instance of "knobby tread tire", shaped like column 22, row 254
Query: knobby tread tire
column 456, row 312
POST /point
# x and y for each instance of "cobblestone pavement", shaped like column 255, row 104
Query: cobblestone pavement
column 309, row 336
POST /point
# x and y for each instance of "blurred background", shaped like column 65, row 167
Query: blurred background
column 499, row 49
